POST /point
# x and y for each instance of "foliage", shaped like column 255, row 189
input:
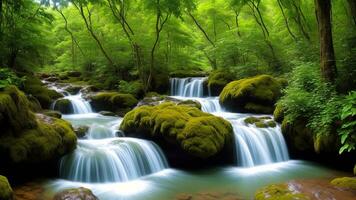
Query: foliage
column 347, row 131
column 8, row 77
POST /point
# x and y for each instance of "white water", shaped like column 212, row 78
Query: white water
column 187, row 87
column 254, row 146
column 103, row 157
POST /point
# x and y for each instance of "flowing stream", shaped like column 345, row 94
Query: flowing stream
column 254, row 146
column 115, row 167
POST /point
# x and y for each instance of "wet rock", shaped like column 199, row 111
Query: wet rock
column 107, row 113
column 261, row 122
column 209, row 196
column 52, row 113
column 75, row 194
column 64, row 106
column 156, row 100
column 74, row 74
column 81, row 131
column 73, row 89
column 51, row 79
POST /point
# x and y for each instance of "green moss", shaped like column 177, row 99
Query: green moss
column 257, row 94
column 278, row 113
column 298, row 135
column 345, row 182
column 261, row 122
column 34, row 104
column 218, row 79
column 29, row 138
column 191, row 103
column 6, row 192
column 113, row 101
column 45, row 96
column 197, row 133
column 52, row 113
column 64, row 106
column 14, row 111
column 278, row 192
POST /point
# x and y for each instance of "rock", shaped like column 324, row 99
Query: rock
column 345, row 182
column 218, row 79
column 278, row 113
column 251, row 95
column 34, row 104
column 33, row 86
column 210, row 195
column 191, row 103
column 52, row 113
column 107, row 113
column 151, row 101
column 74, row 74
column 51, row 79
column 261, row 122
column 76, row 194
column 279, row 192
column 156, row 100
column 73, row 89
column 177, row 128
column 29, row 138
column 113, row 102
column 64, row 106
column 81, row 131
column 6, row 192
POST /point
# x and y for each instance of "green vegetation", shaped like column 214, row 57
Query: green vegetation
column 257, row 94
column 114, row 102
column 199, row 134
column 279, row 192
column 6, row 192
column 261, row 122
column 29, row 138
column 345, row 182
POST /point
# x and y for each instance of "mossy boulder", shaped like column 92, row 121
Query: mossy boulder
column 6, row 192
column 33, row 86
column 29, row 138
column 261, row 122
column 251, row 95
column 73, row 89
column 298, row 136
column 75, row 194
column 64, row 106
column 81, row 131
column 34, row 104
column 218, row 79
column 345, row 182
column 52, row 113
column 74, row 74
column 279, row 192
column 113, row 101
column 191, row 103
column 194, row 134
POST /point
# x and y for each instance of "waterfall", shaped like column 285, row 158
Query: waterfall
column 97, row 131
column 187, row 87
column 254, row 146
column 80, row 105
column 112, row 160
column 257, row 146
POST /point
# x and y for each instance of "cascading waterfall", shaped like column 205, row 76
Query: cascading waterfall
column 112, row 160
column 187, row 87
column 254, row 146
column 105, row 155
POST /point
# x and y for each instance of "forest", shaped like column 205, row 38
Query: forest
column 177, row 99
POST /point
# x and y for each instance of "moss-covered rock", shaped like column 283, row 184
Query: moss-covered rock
column 6, row 192
column 279, row 192
column 34, row 104
column 75, row 194
column 64, row 106
column 218, row 79
column 29, row 138
column 52, row 113
column 253, row 95
column 278, row 113
column 261, row 122
column 345, row 182
column 113, row 101
column 190, row 103
column 298, row 136
column 74, row 74
column 45, row 96
column 81, row 131
column 197, row 134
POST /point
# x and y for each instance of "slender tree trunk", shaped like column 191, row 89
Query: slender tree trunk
column 286, row 19
column 237, row 14
column 327, row 55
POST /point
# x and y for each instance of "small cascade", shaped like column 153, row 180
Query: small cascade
column 187, row 87
column 254, row 146
column 258, row 146
column 97, row 131
column 80, row 105
column 112, row 160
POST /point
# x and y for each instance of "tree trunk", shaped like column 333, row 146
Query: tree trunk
column 327, row 55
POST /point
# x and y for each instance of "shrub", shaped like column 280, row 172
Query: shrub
column 8, row 77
